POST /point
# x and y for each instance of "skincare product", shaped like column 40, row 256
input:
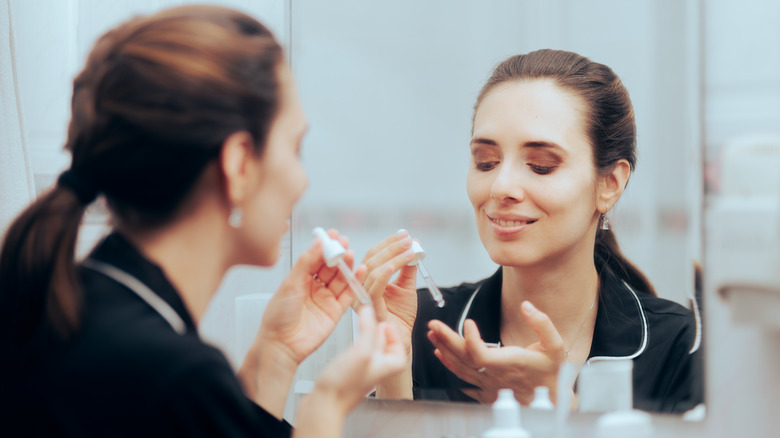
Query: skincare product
column 506, row 417
column 419, row 255
column 542, row 399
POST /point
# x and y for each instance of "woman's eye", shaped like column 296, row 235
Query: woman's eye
column 541, row 170
column 489, row 165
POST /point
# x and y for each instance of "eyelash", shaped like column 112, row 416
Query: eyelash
column 487, row 166
column 539, row 170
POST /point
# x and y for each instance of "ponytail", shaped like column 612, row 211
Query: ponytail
column 608, row 256
column 39, row 290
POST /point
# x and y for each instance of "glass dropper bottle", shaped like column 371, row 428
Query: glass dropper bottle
column 333, row 252
column 419, row 255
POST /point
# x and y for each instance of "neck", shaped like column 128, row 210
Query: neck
column 566, row 291
column 189, row 251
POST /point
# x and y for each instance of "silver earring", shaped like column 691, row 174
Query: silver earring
column 236, row 217
column 604, row 222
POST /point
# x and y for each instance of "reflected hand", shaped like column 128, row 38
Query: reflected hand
column 490, row 369
column 396, row 301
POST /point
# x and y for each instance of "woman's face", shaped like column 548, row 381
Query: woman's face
column 282, row 178
column 532, row 181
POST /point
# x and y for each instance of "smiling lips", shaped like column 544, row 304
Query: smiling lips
column 513, row 224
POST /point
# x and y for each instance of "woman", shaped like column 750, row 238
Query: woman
column 188, row 122
column 553, row 144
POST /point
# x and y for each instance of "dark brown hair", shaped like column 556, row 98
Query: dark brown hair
column 609, row 122
column 157, row 98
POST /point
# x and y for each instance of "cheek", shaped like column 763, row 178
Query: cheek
column 295, row 182
column 573, row 196
column 477, row 187
column 302, row 181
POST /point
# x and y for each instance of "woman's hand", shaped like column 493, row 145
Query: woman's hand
column 377, row 355
column 395, row 302
column 490, row 369
column 308, row 304
column 298, row 319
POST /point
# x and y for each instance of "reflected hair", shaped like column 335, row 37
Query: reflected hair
column 609, row 122
column 151, row 109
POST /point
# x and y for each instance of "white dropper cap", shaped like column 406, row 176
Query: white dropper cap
column 506, row 417
column 332, row 250
column 419, row 253
column 542, row 398
column 506, row 410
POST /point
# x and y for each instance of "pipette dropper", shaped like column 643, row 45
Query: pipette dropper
column 419, row 255
column 333, row 253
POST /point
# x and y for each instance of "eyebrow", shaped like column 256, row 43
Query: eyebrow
column 539, row 144
column 543, row 145
column 481, row 140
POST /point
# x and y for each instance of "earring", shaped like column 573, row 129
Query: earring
column 604, row 222
column 236, row 217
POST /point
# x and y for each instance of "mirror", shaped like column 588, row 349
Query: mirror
column 389, row 91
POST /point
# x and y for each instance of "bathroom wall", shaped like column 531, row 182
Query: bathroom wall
column 742, row 214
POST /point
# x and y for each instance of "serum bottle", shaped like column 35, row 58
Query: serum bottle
column 506, row 417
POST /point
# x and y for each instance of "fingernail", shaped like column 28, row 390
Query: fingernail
column 528, row 307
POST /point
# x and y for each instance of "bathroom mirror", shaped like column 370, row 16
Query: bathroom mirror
column 389, row 90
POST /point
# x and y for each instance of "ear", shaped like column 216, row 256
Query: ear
column 236, row 159
column 611, row 186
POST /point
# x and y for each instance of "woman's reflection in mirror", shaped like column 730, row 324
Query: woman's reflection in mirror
column 553, row 145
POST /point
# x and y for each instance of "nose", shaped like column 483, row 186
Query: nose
column 507, row 186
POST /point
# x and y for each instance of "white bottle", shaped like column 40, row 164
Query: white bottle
column 506, row 417
column 542, row 399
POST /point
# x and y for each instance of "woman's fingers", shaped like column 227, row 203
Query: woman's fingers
column 466, row 358
column 333, row 278
column 447, row 337
column 489, row 369
column 475, row 346
column 549, row 338
column 453, row 363
column 310, row 261
column 387, row 258
column 366, row 325
column 381, row 246
column 380, row 342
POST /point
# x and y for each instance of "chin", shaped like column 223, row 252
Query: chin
column 507, row 256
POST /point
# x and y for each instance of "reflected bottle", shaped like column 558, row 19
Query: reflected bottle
column 506, row 417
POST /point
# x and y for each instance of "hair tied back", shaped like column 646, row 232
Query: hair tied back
column 85, row 191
